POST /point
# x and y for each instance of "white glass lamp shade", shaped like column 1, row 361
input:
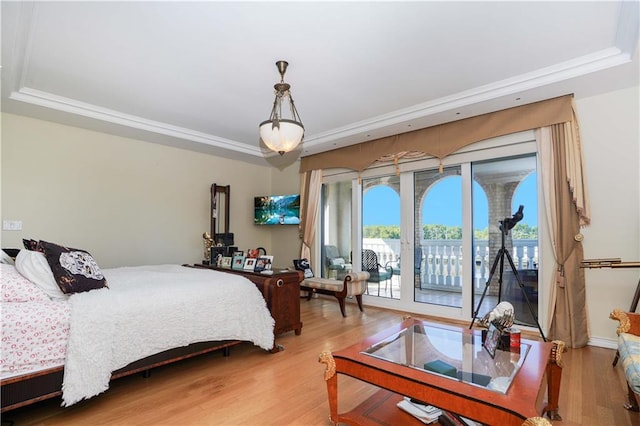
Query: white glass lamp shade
column 283, row 138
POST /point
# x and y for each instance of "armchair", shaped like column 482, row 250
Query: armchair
column 335, row 263
column 629, row 350
column 377, row 273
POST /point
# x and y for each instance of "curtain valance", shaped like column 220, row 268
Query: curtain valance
column 444, row 139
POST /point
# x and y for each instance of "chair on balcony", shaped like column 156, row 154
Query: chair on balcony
column 418, row 256
column 377, row 273
column 335, row 263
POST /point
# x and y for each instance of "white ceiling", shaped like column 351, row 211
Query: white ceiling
column 200, row 75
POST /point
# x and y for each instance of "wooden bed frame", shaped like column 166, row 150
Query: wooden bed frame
column 30, row 388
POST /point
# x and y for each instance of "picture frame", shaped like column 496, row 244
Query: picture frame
column 238, row 262
column 263, row 263
column 226, row 262
column 217, row 253
column 249, row 263
column 491, row 340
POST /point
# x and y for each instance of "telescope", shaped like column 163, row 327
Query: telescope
column 510, row 222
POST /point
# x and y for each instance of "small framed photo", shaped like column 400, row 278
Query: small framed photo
column 491, row 341
column 249, row 263
column 263, row 263
column 226, row 262
column 238, row 262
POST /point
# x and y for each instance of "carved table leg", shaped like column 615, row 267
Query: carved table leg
column 332, row 385
column 554, row 376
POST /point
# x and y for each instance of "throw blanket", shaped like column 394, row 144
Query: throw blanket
column 149, row 309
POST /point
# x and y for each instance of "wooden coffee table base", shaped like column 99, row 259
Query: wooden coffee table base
column 523, row 403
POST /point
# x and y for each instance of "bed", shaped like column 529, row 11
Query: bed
column 73, row 344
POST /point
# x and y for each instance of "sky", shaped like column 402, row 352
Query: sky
column 443, row 205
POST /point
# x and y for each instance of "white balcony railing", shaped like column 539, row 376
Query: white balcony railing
column 442, row 266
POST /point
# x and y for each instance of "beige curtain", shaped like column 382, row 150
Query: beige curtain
column 567, row 209
column 310, row 186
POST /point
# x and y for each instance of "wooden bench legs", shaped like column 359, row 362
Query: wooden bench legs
column 354, row 284
column 341, row 299
column 342, row 304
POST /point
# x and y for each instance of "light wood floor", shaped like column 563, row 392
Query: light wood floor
column 252, row 387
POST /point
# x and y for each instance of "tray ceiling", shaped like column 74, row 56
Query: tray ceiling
column 200, row 75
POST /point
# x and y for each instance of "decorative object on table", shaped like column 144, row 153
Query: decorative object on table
column 226, row 238
column 502, row 316
column 238, row 262
column 304, row 266
column 278, row 133
column 491, row 340
column 208, row 243
column 226, row 262
column 263, row 263
column 217, row 252
column 230, row 251
column 249, row 264
column 257, row 252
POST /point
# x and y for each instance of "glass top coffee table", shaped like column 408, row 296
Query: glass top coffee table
column 448, row 367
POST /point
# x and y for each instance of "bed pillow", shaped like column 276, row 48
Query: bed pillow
column 6, row 259
column 34, row 266
column 74, row 270
column 32, row 245
column 16, row 288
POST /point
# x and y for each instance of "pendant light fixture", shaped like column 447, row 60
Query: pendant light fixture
column 282, row 134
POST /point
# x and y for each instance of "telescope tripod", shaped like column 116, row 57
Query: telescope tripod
column 500, row 256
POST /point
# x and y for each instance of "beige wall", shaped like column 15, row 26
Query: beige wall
column 610, row 126
column 126, row 201
column 286, row 181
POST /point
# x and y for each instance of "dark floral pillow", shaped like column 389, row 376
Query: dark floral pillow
column 304, row 266
column 75, row 270
column 32, row 245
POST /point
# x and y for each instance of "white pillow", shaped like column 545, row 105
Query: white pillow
column 5, row 258
column 34, row 266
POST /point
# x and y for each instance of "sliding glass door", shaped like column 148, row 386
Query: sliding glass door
column 429, row 235
column 381, row 247
column 506, row 236
column 438, row 261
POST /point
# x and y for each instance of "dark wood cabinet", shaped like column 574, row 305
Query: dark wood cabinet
column 281, row 291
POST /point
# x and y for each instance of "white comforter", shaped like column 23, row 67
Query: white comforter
column 149, row 309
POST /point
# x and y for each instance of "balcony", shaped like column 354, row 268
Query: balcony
column 439, row 277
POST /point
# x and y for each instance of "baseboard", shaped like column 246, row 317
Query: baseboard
column 603, row 342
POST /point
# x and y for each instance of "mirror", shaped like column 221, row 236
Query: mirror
column 220, row 210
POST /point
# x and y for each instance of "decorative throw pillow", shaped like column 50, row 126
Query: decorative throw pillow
column 16, row 288
column 32, row 245
column 34, row 266
column 75, row 270
column 304, row 266
column 338, row 261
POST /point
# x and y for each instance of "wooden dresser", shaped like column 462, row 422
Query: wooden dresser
column 281, row 292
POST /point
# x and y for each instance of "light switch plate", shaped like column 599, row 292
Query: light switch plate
column 12, row 225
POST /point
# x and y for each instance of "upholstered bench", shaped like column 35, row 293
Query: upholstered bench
column 629, row 351
column 353, row 284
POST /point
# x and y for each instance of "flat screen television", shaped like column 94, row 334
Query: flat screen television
column 277, row 210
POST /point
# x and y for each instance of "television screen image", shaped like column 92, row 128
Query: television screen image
column 277, row 210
